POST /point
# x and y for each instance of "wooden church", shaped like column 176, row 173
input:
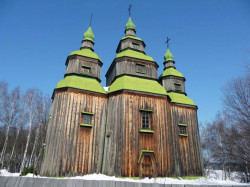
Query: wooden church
column 141, row 126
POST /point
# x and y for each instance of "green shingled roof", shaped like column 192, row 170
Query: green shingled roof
column 89, row 35
column 87, row 53
column 130, row 24
column 133, row 37
column 180, row 98
column 82, row 83
column 137, row 84
column 171, row 71
column 134, row 54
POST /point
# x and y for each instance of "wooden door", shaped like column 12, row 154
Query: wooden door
column 147, row 167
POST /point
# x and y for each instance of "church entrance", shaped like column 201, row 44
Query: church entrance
column 147, row 168
column 147, row 165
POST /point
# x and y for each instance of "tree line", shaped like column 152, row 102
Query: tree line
column 226, row 141
column 23, row 123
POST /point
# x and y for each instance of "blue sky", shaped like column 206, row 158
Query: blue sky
column 210, row 40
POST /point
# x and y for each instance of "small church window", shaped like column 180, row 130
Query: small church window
column 140, row 68
column 86, row 70
column 182, row 130
column 86, row 119
column 145, row 120
column 135, row 46
column 177, row 86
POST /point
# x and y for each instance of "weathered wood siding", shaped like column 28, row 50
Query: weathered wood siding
column 128, row 66
column 169, row 83
column 124, row 120
column 128, row 43
column 71, row 149
column 187, row 155
column 74, row 65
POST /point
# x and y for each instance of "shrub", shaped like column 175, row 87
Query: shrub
column 29, row 170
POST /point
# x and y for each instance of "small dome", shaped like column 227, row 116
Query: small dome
column 89, row 35
column 168, row 56
column 130, row 24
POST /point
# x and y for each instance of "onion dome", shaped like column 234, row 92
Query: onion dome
column 130, row 24
column 168, row 56
column 89, row 35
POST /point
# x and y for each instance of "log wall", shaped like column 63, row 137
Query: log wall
column 187, row 157
column 128, row 43
column 74, row 65
column 123, row 147
column 169, row 83
column 128, row 66
column 71, row 149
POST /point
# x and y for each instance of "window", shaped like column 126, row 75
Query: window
column 140, row 68
column 177, row 86
column 145, row 120
column 182, row 130
column 86, row 119
column 86, row 70
column 135, row 46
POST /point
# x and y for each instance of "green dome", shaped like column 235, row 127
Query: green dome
column 168, row 56
column 89, row 35
column 130, row 24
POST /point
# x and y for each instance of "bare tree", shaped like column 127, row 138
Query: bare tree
column 32, row 111
column 11, row 108
column 237, row 108
column 20, row 125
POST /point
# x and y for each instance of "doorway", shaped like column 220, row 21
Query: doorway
column 147, row 165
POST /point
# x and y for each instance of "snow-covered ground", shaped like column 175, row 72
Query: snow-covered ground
column 218, row 174
column 166, row 180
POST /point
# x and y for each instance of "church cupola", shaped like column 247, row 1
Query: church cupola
column 171, row 79
column 83, row 70
column 88, row 39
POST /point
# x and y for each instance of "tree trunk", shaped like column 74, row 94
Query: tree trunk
column 8, row 129
column 18, row 132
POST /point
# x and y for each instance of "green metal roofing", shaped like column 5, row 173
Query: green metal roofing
column 168, row 56
column 130, row 24
column 137, row 84
column 87, row 53
column 89, row 35
column 134, row 54
column 133, row 37
column 180, row 98
column 82, row 83
column 171, row 71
